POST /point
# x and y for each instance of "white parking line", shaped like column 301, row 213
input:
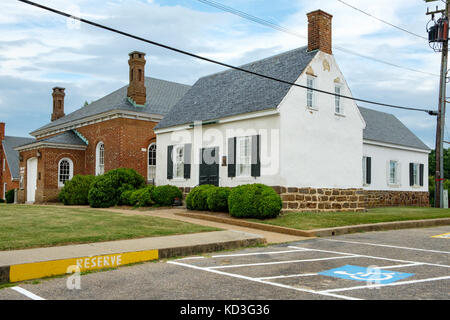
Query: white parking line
column 258, row 253
column 279, row 262
column 401, row 266
column 379, row 258
column 385, row 285
column 385, row 245
column 27, row 293
column 262, row 281
column 289, row 276
column 192, row 258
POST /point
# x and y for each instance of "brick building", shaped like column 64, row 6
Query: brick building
column 9, row 161
column 112, row 132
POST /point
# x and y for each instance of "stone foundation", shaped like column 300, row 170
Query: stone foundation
column 388, row 198
column 349, row 200
column 321, row 199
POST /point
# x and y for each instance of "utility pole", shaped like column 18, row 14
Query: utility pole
column 440, row 35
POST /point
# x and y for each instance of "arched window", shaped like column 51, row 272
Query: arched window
column 100, row 159
column 65, row 171
column 152, row 162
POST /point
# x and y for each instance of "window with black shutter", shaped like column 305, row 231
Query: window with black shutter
column 232, row 157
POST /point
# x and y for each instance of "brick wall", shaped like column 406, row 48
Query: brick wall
column 5, row 175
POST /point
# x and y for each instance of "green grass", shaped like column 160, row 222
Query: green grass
column 312, row 220
column 24, row 226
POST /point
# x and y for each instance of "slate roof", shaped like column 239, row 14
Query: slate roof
column 68, row 137
column 385, row 127
column 12, row 156
column 161, row 96
column 234, row 92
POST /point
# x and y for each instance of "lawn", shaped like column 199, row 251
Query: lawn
column 38, row 226
column 312, row 220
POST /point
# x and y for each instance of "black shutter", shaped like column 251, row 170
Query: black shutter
column 411, row 174
column 421, row 168
column 169, row 162
column 369, row 170
column 232, row 157
column 256, row 158
column 187, row 161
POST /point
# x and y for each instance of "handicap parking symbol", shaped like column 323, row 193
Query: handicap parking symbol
column 371, row 274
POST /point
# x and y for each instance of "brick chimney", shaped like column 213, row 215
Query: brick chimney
column 319, row 31
column 58, row 103
column 2, row 132
column 136, row 88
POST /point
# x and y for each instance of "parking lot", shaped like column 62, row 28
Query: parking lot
column 400, row 264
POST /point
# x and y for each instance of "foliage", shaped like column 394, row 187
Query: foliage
column 254, row 201
column 9, row 196
column 76, row 190
column 165, row 195
column 432, row 163
column 142, row 197
column 106, row 190
column 217, row 199
column 125, row 198
column 197, row 198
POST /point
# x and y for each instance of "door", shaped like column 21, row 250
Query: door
column 31, row 179
column 209, row 166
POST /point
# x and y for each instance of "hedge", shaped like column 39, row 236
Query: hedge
column 9, row 196
column 76, row 190
column 254, row 201
column 165, row 195
column 197, row 198
column 125, row 198
column 142, row 197
column 106, row 190
column 217, row 199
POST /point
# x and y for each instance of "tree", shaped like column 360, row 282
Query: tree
column 432, row 163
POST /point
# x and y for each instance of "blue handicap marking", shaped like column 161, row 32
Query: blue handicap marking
column 366, row 274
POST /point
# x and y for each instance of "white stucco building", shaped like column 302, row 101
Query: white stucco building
column 319, row 151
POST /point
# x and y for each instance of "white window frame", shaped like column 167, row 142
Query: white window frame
column 244, row 158
column 151, row 173
column 416, row 174
column 364, row 167
column 99, row 159
column 338, row 101
column 310, row 94
column 396, row 179
column 5, row 185
column 4, row 164
column 61, row 183
column 178, row 161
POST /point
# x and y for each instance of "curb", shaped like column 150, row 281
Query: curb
column 382, row 226
column 325, row 232
column 248, row 224
column 43, row 269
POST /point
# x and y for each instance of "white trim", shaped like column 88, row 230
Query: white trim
column 60, row 184
column 149, row 167
column 176, row 148
column 99, row 171
column 394, row 146
column 44, row 144
column 5, row 185
column 245, row 116
column 101, row 117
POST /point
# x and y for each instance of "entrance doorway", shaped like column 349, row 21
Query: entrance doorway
column 209, row 166
column 32, row 167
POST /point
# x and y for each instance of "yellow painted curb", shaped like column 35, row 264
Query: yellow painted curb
column 43, row 269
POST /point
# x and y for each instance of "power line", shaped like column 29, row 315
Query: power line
column 384, row 21
column 283, row 29
column 431, row 112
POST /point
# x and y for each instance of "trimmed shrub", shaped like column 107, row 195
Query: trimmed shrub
column 106, row 190
column 254, row 201
column 2, row 200
column 76, row 190
column 217, row 199
column 9, row 196
column 197, row 198
column 142, row 197
column 165, row 195
column 125, row 198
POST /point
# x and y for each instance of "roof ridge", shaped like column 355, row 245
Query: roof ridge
column 256, row 61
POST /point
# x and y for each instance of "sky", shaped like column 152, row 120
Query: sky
column 40, row 50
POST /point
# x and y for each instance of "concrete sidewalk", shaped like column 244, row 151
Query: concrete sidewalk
column 19, row 265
